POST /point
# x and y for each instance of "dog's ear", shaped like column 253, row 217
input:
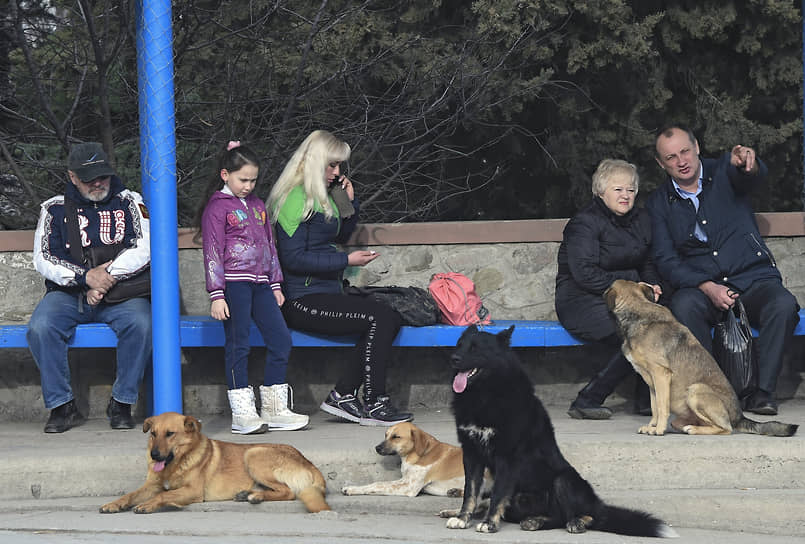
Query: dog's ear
column 610, row 296
column 471, row 328
column 149, row 421
column 191, row 425
column 647, row 291
column 416, row 441
column 421, row 441
column 505, row 336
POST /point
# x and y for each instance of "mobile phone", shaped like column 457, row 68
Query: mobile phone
column 342, row 201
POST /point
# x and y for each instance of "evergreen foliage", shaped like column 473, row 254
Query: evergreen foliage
column 490, row 109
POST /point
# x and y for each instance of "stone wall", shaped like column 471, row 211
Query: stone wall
column 515, row 280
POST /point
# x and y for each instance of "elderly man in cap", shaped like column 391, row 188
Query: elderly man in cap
column 101, row 218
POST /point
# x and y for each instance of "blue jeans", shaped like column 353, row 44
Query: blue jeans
column 247, row 301
column 53, row 323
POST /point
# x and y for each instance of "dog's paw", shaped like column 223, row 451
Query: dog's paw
column 487, row 527
column 455, row 492
column 348, row 490
column 533, row 523
column 145, row 508
column 456, row 523
column 449, row 513
column 579, row 525
column 112, row 508
column 647, row 429
column 242, row 496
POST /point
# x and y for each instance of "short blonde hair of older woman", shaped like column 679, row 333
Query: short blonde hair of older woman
column 609, row 168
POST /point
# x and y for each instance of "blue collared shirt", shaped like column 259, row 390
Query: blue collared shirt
column 693, row 197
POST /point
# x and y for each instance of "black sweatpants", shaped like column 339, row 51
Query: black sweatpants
column 336, row 314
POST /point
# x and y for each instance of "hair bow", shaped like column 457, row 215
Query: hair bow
column 232, row 145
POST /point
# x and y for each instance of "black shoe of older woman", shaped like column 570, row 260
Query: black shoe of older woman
column 589, row 402
column 586, row 408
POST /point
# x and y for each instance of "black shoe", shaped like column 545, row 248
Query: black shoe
column 383, row 413
column 64, row 417
column 344, row 406
column 584, row 408
column 761, row 402
column 119, row 415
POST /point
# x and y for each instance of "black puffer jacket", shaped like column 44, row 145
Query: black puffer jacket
column 599, row 247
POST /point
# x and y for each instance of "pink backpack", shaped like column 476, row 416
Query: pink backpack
column 455, row 295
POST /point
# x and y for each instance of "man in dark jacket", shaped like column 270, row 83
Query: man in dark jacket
column 707, row 245
column 106, row 215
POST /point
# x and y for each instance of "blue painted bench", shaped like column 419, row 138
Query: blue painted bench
column 204, row 331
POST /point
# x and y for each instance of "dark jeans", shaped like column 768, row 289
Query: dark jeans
column 53, row 323
column 337, row 314
column 771, row 309
column 247, row 301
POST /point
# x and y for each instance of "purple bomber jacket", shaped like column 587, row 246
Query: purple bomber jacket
column 238, row 243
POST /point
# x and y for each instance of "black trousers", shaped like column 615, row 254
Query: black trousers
column 336, row 314
column 771, row 309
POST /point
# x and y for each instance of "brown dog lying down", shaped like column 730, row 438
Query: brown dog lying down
column 428, row 465
column 185, row 466
column 682, row 376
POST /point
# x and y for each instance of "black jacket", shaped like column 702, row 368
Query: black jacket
column 734, row 253
column 599, row 247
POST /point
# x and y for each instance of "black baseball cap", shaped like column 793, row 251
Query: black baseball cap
column 89, row 161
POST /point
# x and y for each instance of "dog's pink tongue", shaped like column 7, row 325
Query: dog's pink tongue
column 158, row 466
column 460, row 382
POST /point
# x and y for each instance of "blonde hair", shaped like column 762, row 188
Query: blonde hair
column 306, row 167
column 607, row 169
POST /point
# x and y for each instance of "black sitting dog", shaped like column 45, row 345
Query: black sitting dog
column 503, row 426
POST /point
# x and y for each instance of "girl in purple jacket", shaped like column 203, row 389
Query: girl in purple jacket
column 243, row 279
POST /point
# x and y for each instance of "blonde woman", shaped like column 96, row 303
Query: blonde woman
column 607, row 240
column 315, row 208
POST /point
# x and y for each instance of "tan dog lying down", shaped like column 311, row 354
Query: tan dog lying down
column 682, row 376
column 428, row 465
column 184, row 467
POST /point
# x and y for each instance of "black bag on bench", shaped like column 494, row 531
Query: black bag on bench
column 415, row 305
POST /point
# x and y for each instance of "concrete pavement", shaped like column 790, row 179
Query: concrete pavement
column 736, row 485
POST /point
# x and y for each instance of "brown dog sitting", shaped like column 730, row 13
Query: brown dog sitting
column 682, row 376
column 185, row 466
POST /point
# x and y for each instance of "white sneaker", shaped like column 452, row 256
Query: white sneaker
column 244, row 414
column 274, row 409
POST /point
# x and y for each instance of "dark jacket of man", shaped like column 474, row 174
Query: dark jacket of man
column 734, row 253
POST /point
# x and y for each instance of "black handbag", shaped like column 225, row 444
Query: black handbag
column 137, row 286
column 732, row 349
column 414, row 305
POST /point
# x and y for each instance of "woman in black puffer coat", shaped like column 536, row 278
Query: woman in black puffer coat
column 605, row 241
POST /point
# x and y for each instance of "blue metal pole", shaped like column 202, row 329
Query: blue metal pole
column 158, row 165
